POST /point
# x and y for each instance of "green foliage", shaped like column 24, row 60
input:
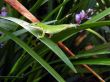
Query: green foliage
column 24, row 56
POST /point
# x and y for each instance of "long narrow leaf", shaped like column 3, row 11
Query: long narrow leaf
column 98, row 61
column 96, row 18
column 47, row 42
column 36, row 57
column 98, row 50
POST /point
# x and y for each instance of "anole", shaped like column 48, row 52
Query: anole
column 52, row 29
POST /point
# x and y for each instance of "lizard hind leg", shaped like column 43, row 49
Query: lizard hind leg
column 41, row 35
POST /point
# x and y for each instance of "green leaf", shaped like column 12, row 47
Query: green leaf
column 96, row 18
column 17, row 33
column 10, row 26
column 46, row 41
column 36, row 6
column 56, row 9
column 98, row 61
column 99, row 16
column 57, row 51
column 64, row 35
column 36, row 57
column 98, row 50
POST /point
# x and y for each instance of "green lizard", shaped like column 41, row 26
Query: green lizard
column 52, row 29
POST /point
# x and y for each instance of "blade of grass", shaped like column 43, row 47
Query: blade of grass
column 98, row 50
column 60, row 11
column 18, row 32
column 45, row 40
column 96, row 18
column 64, row 35
column 36, row 57
column 36, row 6
column 55, row 48
column 56, row 9
column 98, row 61
column 99, row 16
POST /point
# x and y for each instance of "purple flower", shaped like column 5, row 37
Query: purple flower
column 83, row 15
column 78, row 18
column 3, row 11
column 3, row 14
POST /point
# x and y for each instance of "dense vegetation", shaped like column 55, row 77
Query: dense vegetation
column 79, row 54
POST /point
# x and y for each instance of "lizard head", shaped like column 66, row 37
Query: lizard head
column 36, row 26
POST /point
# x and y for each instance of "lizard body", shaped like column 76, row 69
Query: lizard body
column 52, row 29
